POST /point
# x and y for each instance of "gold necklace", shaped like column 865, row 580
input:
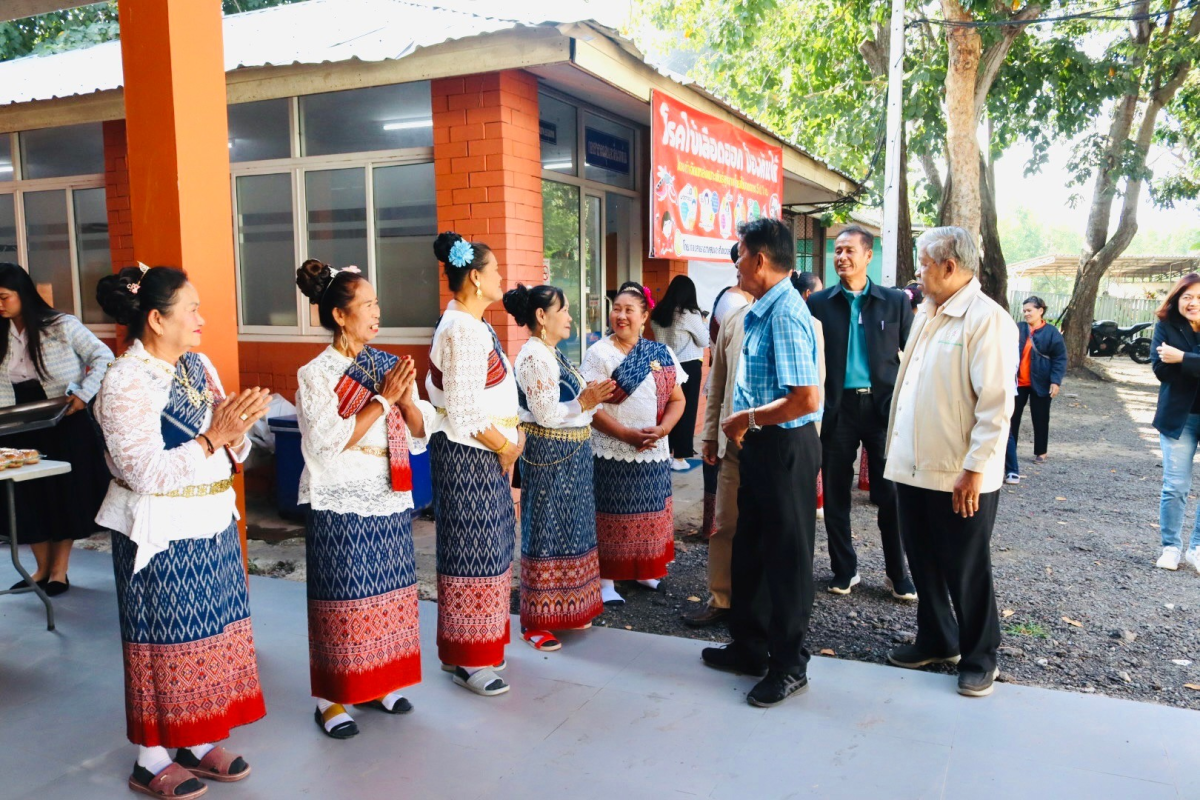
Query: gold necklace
column 194, row 396
column 620, row 348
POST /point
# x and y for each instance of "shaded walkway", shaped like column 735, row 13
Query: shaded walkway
column 614, row 714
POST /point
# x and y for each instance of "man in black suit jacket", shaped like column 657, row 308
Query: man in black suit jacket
column 866, row 327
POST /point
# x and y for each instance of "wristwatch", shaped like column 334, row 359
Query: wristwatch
column 754, row 426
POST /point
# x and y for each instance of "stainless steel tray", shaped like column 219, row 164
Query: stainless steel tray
column 32, row 416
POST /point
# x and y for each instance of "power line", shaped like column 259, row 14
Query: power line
column 1096, row 15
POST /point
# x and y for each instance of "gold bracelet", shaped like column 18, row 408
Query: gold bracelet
column 507, row 444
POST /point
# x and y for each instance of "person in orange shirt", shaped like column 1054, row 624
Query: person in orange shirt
column 1040, row 374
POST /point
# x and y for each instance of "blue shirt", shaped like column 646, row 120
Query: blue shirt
column 858, row 371
column 779, row 352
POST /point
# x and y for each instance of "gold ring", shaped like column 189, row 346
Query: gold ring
column 245, row 417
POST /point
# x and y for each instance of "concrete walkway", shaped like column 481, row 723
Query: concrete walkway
column 614, row 714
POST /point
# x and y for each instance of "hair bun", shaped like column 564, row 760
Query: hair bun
column 442, row 245
column 313, row 278
column 516, row 303
column 113, row 295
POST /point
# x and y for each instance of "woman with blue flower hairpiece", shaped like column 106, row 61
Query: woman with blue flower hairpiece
column 471, row 384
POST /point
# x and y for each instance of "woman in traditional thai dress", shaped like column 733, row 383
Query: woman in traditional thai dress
column 360, row 418
column 635, row 527
column 471, row 455
column 173, row 441
column 560, row 570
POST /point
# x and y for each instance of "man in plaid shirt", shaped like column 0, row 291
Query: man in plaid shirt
column 775, row 403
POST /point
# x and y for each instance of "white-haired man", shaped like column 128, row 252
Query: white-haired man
column 954, row 395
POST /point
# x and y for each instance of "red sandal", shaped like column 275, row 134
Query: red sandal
column 218, row 764
column 542, row 640
column 166, row 783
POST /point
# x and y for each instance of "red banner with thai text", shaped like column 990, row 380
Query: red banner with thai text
column 707, row 177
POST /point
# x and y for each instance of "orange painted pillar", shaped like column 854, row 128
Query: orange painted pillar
column 178, row 157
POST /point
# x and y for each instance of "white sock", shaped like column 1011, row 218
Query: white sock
column 472, row 670
column 201, row 750
column 651, row 583
column 153, row 759
column 390, row 699
column 324, row 705
column 608, row 592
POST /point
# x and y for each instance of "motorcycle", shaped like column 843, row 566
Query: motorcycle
column 1109, row 340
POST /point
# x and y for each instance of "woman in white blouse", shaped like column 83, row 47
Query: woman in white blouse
column 46, row 354
column 560, row 570
column 677, row 323
column 635, row 524
column 173, row 441
column 470, row 382
column 360, row 419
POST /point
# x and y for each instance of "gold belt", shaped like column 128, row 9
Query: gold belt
column 204, row 490
column 559, row 434
column 499, row 422
column 371, row 450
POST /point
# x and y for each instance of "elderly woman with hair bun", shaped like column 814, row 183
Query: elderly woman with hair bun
column 560, row 571
column 360, row 419
column 471, row 384
column 173, row 440
column 635, row 524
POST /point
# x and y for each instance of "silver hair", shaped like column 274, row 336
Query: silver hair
column 950, row 242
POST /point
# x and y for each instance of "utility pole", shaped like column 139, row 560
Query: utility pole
column 895, row 125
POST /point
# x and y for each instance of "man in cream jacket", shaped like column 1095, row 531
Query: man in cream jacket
column 946, row 443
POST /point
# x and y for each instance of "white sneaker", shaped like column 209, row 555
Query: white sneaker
column 1169, row 558
column 679, row 465
column 1012, row 479
column 1192, row 556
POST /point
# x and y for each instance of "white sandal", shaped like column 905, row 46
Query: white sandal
column 482, row 682
column 498, row 668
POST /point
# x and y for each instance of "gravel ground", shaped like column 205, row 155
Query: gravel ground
column 1074, row 550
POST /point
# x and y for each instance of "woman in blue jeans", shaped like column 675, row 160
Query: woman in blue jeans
column 1175, row 354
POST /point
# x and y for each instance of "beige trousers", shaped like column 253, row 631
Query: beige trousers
column 720, row 546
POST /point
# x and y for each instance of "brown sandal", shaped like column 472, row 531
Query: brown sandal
column 218, row 764
column 165, row 783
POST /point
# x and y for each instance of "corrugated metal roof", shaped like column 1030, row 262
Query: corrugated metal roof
column 312, row 32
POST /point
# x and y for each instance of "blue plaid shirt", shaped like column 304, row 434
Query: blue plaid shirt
column 779, row 352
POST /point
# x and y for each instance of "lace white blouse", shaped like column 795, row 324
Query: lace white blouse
column 687, row 336
column 129, row 408
column 538, row 372
column 639, row 410
column 354, row 481
column 465, row 405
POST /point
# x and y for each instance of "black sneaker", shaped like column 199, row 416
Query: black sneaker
column 732, row 658
column 776, row 687
column 910, row 656
column 844, row 584
column 902, row 589
column 977, row 683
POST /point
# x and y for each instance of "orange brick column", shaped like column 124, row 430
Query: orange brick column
column 488, row 167
column 116, row 192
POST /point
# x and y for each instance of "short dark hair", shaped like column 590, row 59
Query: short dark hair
column 805, row 281
column 770, row 238
column 733, row 253
column 865, row 236
column 1035, row 301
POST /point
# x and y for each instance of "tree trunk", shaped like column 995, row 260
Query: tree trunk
column 965, row 48
column 993, row 271
column 906, row 271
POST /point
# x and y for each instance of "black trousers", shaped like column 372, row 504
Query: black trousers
column 772, row 572
column 681, row 436
column 951, row 564
column 1039, row 413
column 858, row 421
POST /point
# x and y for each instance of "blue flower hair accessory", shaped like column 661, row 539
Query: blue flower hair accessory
column 462, row 254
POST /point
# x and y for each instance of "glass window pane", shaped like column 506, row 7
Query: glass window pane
column 259, row 131
column 60, row 152
column 267, row 249
column 8, row 228
column 560, row 250
column 381, row 118
column 557, row 124
column 49, row 247
column 337, row 216
column 608, row 151
column 405, row 223
column 6, row 162
column 91, row 248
